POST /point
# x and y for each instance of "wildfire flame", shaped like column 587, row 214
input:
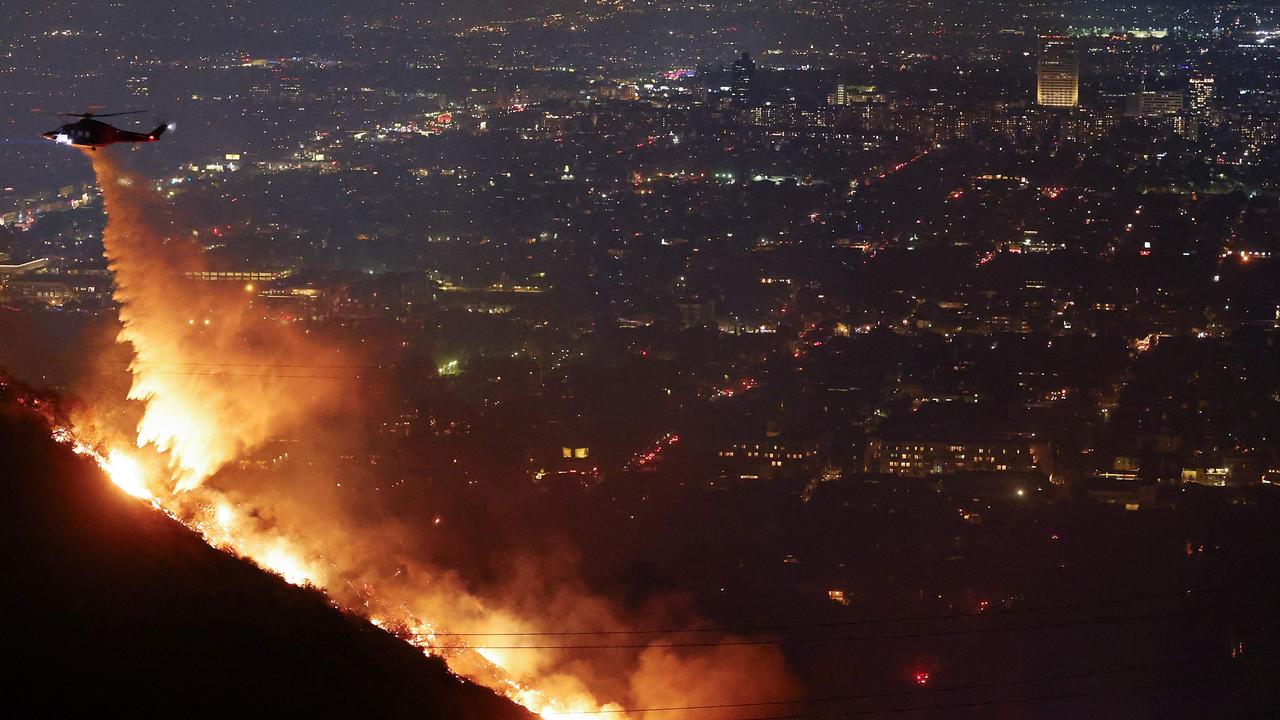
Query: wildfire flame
column 210, row 390
column 199, row 415
column 218, row 523
column 124, row 471
column 127, row 474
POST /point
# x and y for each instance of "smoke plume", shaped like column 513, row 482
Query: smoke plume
column 216, row 380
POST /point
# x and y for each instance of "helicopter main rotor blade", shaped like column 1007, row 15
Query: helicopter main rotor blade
column 96, row 115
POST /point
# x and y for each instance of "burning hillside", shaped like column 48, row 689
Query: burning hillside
column 186, row 337
column 213, row 381
column 118, row 606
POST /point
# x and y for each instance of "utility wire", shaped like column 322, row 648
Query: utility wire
column 849, row 638
column 235, row 375
column 335, row 366
column 1014, row 701
column 353, row 377
column 926, row 691
column 865, row 621
column 127, row 366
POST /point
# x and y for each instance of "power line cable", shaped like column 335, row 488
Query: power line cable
column 865, row 621
column 1013, row 701
column 92, row 369
column 927, row 691
column 127, row 366
column 850, row 638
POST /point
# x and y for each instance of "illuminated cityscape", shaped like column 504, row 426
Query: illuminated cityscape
column 599, row 358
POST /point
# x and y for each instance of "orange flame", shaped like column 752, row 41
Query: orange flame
column 216, row 388
column 127, row 474
column 202, row 409
column 213, row 389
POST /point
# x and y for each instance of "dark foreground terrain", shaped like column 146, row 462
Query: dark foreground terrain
column 114, row 607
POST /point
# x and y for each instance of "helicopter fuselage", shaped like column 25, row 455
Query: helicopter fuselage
column 93, row 134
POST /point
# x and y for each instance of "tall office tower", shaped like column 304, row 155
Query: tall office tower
column 744, row 73
column 1200, row 97
column 1058, row 72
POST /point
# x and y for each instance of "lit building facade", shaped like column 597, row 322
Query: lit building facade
column 744, row 75
column 1154, row 104
column 848, row 94
column 1200, row 97
column 1058, row 72
column 922, row 458
column 770, row 458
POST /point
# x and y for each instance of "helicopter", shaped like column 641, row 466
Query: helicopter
column 90, row 132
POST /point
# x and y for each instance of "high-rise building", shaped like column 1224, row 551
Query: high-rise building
column 1200, row 96
column 1154, row 103
column 744, row 74
column 1058, row 72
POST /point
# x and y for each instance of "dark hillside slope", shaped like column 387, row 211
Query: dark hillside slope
column 112, row 607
